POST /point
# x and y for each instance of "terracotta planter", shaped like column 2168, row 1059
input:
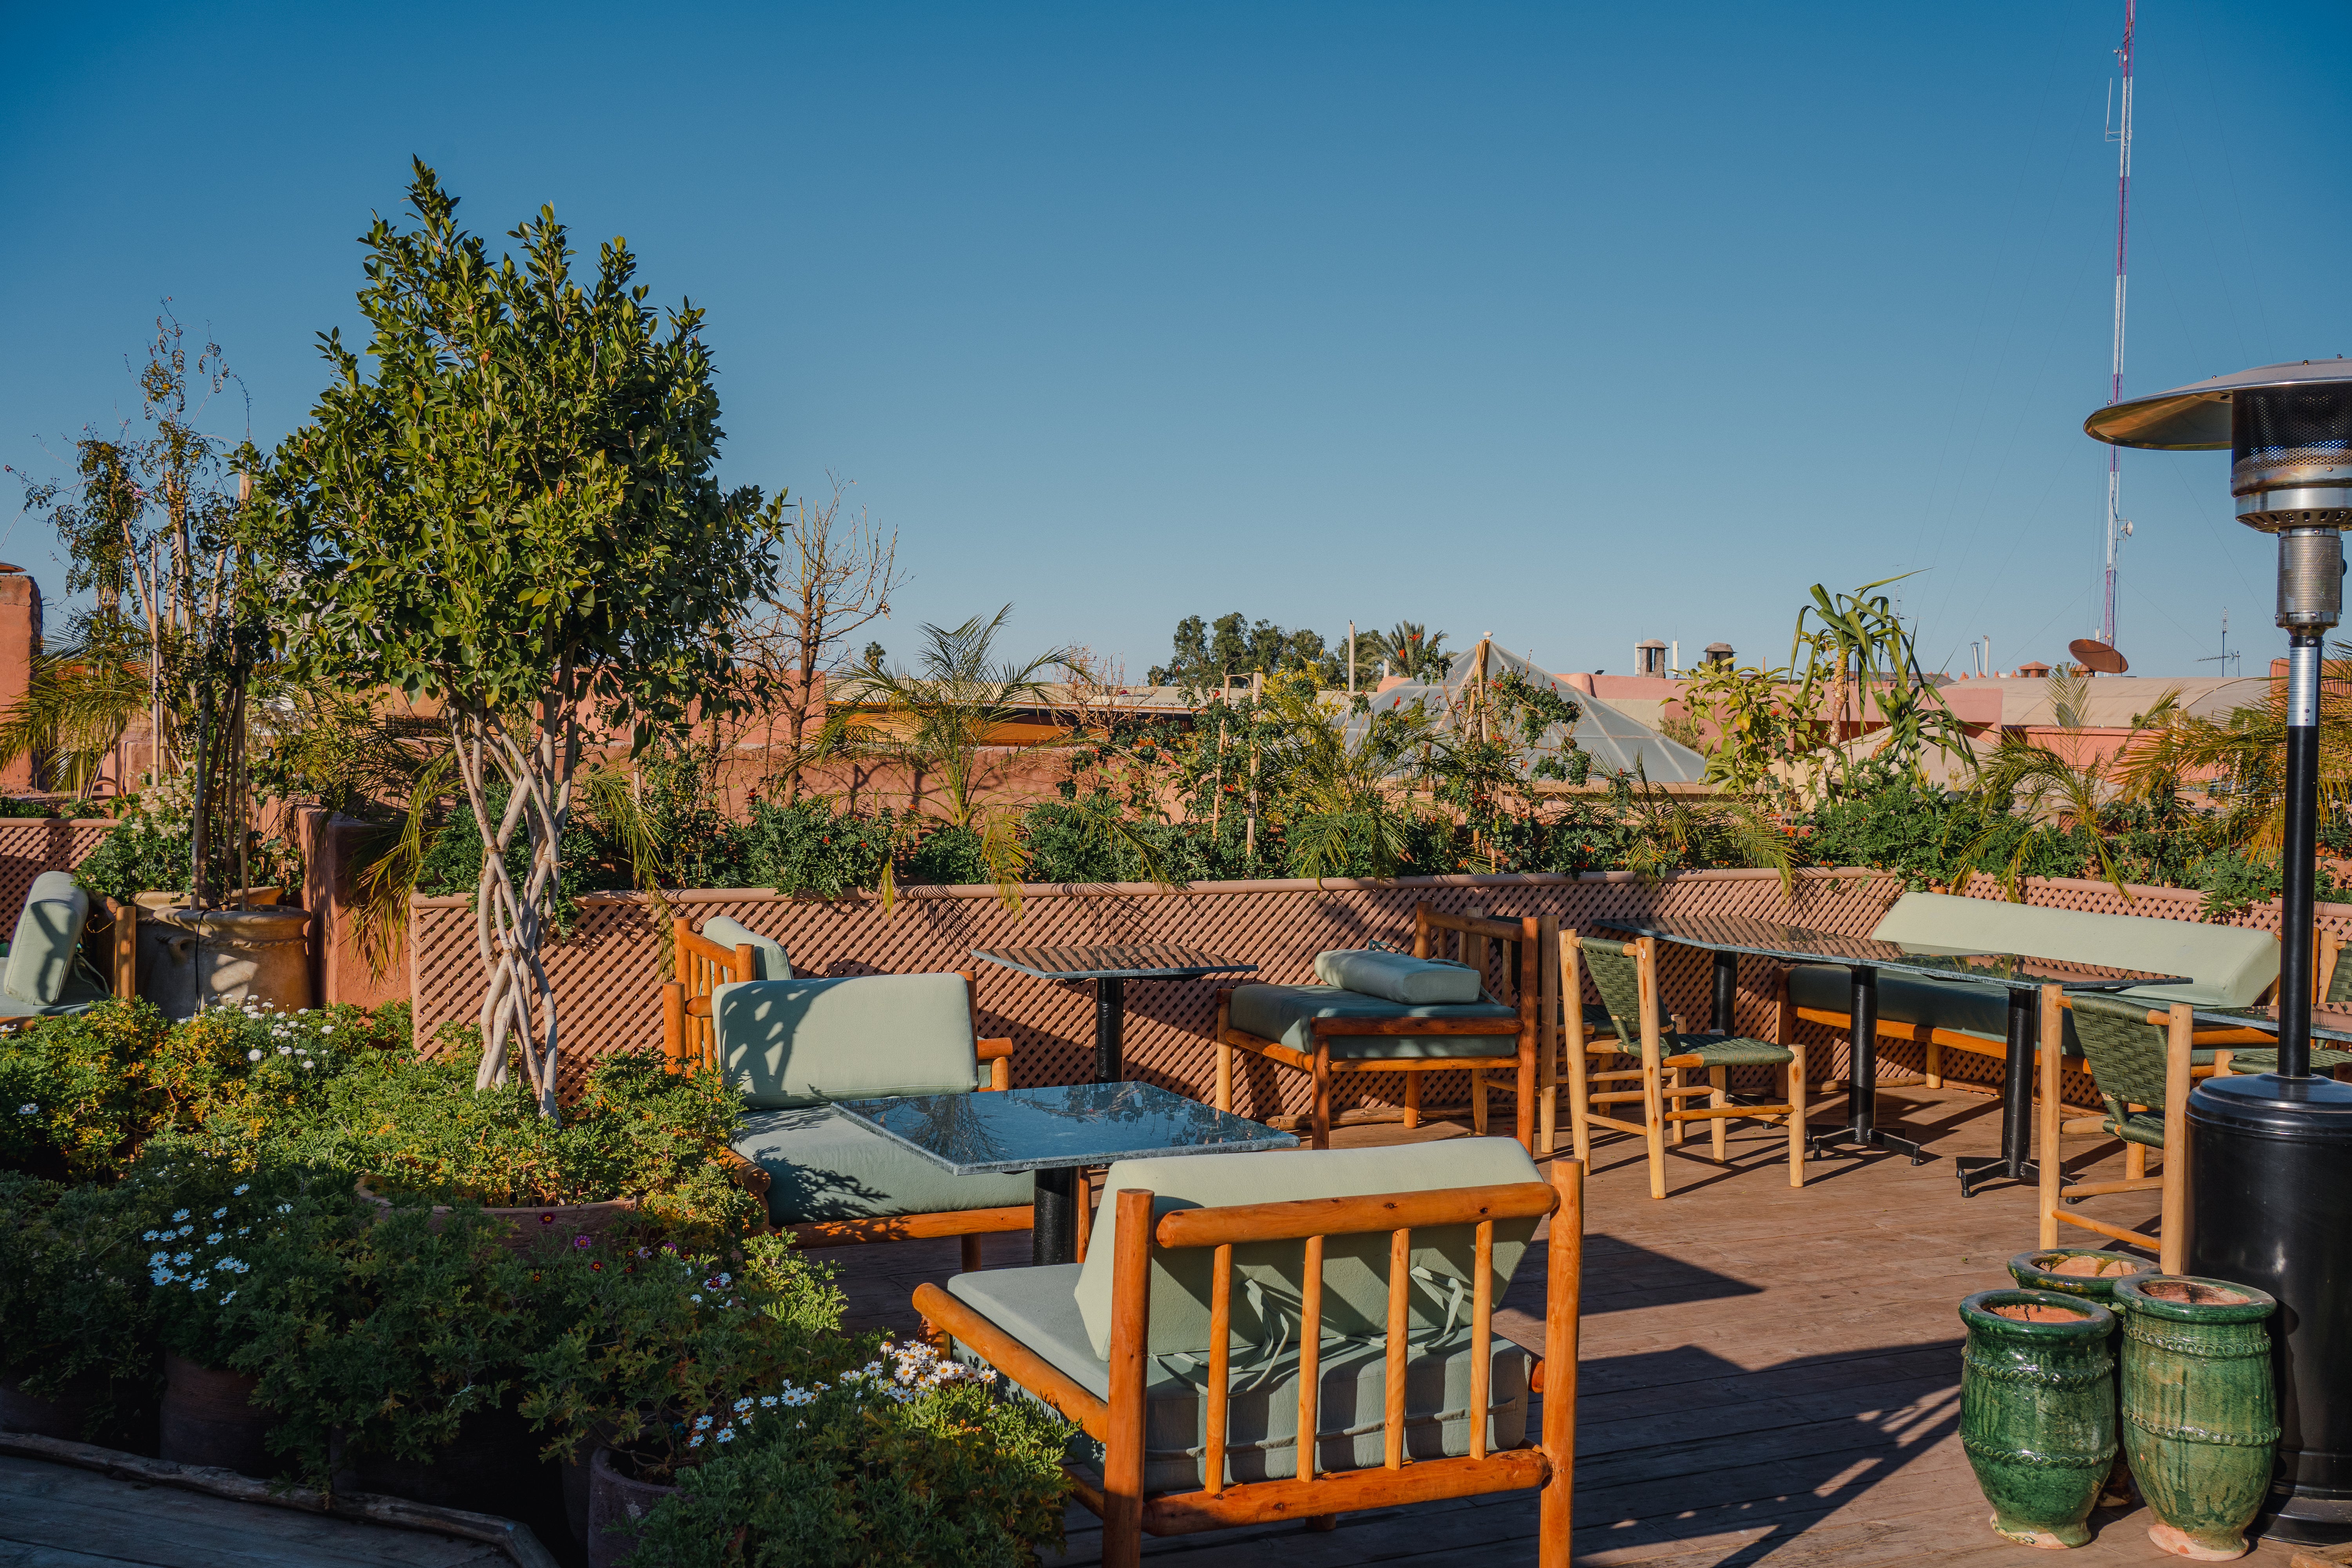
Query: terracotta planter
column 2089, row 1272
column 192, row 959
column 2200, row 1416
column 66, row 1414
column 490, row 1469
column 2037, row 1411
column 209, row 1418
column 526, row 1225
column 616, row 1507
column 576, row 1482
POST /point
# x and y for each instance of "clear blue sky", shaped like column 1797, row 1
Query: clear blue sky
column 1576, row 323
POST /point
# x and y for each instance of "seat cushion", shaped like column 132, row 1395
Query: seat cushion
column 48, row 935
column 822, row 1165
column 1715, row 1051
column 1267, row 1275
column 1281, row 1014
column 1038, row 1307
column 768, row 954
column 2249, row 1063
column 80, row 995
column 2228, row 966
column 1965, row 1007
column 1398, row 976
column 802, row 1042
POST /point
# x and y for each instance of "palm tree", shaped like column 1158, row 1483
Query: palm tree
column 2058, row 785
column 1410, row 648
column 1337, row 795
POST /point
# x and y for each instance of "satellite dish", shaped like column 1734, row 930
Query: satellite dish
column 2093, row 654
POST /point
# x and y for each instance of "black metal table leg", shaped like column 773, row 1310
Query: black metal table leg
column 1727, row 991
column 1862, row 1129
column 1111, row 1014
column 2013, row 1162
column 1054, row 1226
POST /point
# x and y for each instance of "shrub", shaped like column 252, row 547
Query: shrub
column 904, row 1461
column 72, row 1305
column 75, row 1094
column 808, row 847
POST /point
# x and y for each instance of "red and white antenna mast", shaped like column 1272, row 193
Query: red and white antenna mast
column 2117, row 529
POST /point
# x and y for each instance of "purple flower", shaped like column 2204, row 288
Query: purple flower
column 581, row 1241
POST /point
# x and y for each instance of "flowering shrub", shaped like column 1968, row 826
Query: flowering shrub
column 242, row 1074
column 75, row 1095
column 73, row 1308
column 654, row 1352
column 907, row 1459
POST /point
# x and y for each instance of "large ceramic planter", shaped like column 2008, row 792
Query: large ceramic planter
column 617, row 1506
column 2090, row 1272
column 525, row 1226
column 192, row 959
column 63, row 1415
column 2037, row 1410
column 2200, row 1417
column 209, row 1418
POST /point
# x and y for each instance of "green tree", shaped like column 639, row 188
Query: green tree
column 516, row 518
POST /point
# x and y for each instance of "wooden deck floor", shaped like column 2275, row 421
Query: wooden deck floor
column 1768, row 1374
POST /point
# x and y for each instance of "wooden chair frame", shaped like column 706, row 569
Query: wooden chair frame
column 1475, row 931
column 1662, row 1094
column 690, row 1040
column 2172, row 1240
column 1317, row 1496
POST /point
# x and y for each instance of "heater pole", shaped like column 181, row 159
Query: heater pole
column 2116, row 527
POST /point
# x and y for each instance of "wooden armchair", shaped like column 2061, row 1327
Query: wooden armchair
column 1371, row 1380
column 2140, row 1058
column 1321, row 1030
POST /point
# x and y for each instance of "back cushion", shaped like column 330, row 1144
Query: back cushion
column 767, row 952
column 2228, row 966
column 800, row 1042
column 1396, row 976
column 48, row 931
column 1355, row 1267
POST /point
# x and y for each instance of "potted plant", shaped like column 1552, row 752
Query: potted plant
column 232, row 1250
column 75, row 1356
column 640, row 1341
column 75, row 1097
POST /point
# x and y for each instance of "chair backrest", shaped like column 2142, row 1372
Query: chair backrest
column 48, row 935
column 2335, row 990
column 1270, row 1275
column 2125, row 1048
column 1474, row 934
column 2230, row 966
column 769, row 958
column 804, row 1042
column 1617, row 976
column 723, row 953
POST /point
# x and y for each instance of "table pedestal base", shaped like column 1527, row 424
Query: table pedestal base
column 1839, row 1140
column 1862, row 1129
column 1053, row 1224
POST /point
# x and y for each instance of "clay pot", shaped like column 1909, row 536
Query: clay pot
column 576, row 1481
column 490, row 1469
column 2089, row 1272
column 616, row 1506
column 2200, row 1415
column 63, row 1414
column 526, row 1225
column 192, row 959
column 209, row 1418
column 2037, row 1411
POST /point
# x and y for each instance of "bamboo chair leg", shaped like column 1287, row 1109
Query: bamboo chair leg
column 1654, row 1114
column 2046, row 1141
column 970, row 1249
column 1411, row 1100
column 1563, row 1306
column 1935, row 1054
column 1478, row 1102
column 2136, row 1157
column 1718, row 1079
column 1547, row 1034
column 1796, row 1085
column 1679, row 1130
column 1322, row 1113
column 1224, row 1055
column 2172, row 1251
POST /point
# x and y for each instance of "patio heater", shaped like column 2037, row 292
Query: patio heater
column 2271, row 1156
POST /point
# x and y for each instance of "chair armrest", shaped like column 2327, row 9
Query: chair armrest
column 746, row 1173
column 998, row 1055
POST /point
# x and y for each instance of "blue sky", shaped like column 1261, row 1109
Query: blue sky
column 1573, row 323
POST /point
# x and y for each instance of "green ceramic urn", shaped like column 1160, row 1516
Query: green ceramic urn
column 2037, row 1410
column 2199, row 1418
column 2090, row 1272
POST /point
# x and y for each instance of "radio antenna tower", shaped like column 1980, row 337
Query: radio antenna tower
column 2121, row 134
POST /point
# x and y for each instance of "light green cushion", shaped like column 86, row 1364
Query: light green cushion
column 2229, row 966
column 773, row 963
column 1396, row 976
column 48, row 935
column 1036, row 1306
column 1354, row 1295
column 1281, row 1014
column 800, row 1041
column 80, row 995
column 1967, row 1007
column 822, row 1165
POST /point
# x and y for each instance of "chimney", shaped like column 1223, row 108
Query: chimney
column 1650, row 656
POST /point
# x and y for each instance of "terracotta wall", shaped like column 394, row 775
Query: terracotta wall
column 20, row 639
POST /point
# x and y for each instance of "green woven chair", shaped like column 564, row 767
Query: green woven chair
column 1626, row 977
column 2141, row 1061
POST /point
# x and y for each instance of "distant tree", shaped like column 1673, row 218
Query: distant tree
column 1207, row 656
column 515, row 514
column 1410, row 648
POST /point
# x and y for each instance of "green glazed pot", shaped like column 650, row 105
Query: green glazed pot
column 2037, row 1411
column 2068, row 1270
column 2200, row 1419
